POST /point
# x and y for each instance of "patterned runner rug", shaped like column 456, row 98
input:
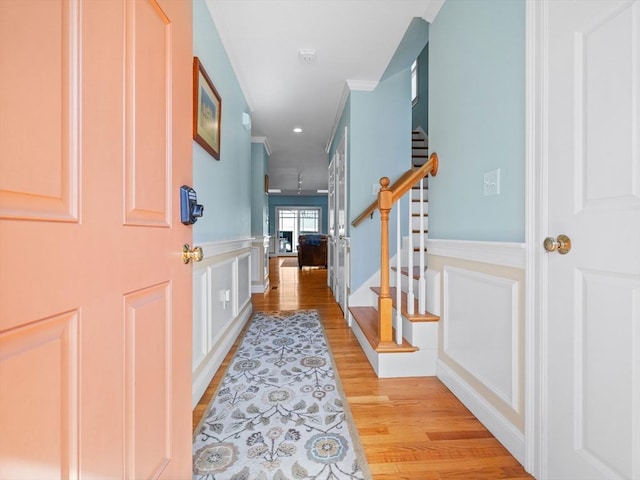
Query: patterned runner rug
column 279, row 412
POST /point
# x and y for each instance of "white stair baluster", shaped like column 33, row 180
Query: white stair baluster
column 421, row 282
column 398, row 278
column 410, row 295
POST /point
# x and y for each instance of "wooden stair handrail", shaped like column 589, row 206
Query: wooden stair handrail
column 374, row 205
column 402, row 185
column 398, row 189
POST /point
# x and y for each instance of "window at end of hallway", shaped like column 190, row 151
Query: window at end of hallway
column 414, row 82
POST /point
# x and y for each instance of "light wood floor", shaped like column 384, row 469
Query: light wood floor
column 411, row 428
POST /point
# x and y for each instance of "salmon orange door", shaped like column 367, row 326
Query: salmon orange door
column 95, row 302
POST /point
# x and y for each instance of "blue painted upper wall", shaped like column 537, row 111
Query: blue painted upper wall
column 224, row 187
column 477, row 119
column 378, row 144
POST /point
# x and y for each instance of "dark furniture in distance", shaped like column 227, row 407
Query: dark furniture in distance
column 312, row 251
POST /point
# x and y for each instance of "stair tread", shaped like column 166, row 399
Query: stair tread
column 405, row 271
column 416, row 317
column 367, row 320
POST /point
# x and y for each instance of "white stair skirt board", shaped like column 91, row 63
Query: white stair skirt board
column 397, row 365
column 208, row 368
column 494, row 421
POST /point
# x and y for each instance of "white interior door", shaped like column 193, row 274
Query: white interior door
column 591, row 332
column 331, row 222
column 340, row 280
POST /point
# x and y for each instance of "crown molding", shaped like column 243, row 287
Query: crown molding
column 362, row 85
column 264, row 141
column 432, row 10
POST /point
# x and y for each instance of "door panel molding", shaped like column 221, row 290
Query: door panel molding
column 45, row 140
column 48, row 350
column 147, row 138
column 148, row 396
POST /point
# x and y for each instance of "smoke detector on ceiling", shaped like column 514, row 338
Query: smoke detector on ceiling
column 307, row 55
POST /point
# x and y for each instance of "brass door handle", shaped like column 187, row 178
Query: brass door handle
column 189, row 254
column 562, row 244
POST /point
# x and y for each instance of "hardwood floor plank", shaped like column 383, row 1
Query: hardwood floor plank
column 411, row 428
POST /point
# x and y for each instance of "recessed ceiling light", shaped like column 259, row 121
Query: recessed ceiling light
column 297, row 130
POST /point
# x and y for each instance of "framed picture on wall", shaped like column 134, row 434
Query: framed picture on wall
column 207, row 111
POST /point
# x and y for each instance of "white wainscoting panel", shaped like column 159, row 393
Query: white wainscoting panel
column 220, row 311
column 221, row 306
column 200, row 317
column 243, row 282
column 480, row 328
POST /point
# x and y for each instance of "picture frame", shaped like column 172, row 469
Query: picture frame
column 207, row 111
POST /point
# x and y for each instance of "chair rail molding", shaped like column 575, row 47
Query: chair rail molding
column 507, row 254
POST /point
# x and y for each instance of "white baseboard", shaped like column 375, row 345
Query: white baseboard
column 260, row 288
column 496, row 423
column 208, row 368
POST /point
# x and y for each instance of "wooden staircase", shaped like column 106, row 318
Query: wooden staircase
column 397, row 339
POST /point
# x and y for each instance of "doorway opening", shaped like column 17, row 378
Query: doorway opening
column 292, row 222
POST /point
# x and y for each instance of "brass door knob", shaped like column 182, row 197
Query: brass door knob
column 562, row 244
column 189, row 254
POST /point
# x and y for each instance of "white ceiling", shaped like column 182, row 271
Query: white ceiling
column 354, row 41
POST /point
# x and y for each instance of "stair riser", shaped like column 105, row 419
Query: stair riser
column 415, row 195
column 415, row 223
column 415, row 207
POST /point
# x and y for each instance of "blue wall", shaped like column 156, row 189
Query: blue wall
column 224, row 187
column 297, row 201
column 379, row 144
column 259, row 198
column 477, row 119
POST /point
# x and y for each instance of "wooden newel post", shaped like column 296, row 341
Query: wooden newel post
column 385, row 305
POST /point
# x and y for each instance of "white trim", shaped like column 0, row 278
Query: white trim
column 264, row 141
column 225, row 246
column 508, row 254
column 536, row 204
column 432, row 10
column 362, row 85
column 496, row 423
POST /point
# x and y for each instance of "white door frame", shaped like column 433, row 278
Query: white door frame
column 536, row 222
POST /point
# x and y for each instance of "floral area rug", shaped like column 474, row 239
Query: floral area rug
column 279, row 412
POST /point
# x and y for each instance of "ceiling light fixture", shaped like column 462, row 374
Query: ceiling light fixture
column 297, row 130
